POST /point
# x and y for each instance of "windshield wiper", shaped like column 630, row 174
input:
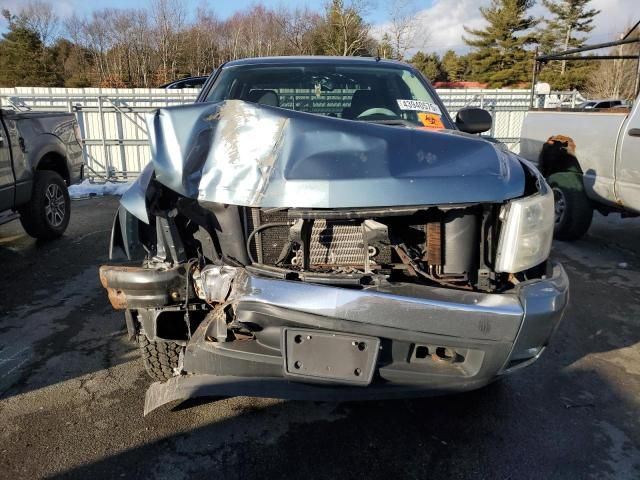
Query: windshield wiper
column 395, row 121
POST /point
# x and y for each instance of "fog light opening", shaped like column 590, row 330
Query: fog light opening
column 422, row 351
column 444, row 354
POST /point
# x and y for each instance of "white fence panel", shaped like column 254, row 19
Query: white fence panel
column 113, row 128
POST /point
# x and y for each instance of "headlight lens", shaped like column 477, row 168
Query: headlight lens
column 527, row 232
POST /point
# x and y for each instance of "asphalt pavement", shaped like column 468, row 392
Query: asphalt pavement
column 72, row 387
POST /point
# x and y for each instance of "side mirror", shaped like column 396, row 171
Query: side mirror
column 473, row 120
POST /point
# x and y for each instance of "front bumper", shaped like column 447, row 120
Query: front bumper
column 492, row 335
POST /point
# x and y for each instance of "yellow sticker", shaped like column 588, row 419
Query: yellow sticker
column 430, row 120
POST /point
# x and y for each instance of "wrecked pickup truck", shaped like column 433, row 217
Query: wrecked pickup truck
column 319, row 228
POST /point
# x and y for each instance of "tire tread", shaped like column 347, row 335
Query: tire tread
column 159, row 358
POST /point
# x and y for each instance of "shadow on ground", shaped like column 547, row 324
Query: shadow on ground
column 571, row 415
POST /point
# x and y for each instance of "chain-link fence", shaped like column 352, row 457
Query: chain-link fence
column 114, row 132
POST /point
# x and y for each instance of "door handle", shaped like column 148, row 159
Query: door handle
column 634, row 132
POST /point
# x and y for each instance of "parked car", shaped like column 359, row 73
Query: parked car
column 40, row 156
column 596, row 104
column 590, row 159
column 191, row 82
column 320, row 228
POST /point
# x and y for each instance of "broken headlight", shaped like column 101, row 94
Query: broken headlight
column 527, row 232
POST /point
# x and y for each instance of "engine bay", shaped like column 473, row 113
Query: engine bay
column 449, row 246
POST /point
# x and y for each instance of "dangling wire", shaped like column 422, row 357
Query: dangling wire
column 187, row 318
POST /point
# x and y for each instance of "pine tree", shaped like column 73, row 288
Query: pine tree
column 500, row 57
column 24, row 61
column 568, row 19
column 430, row 65
column 452, row 66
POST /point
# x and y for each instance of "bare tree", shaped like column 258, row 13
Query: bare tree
column 153, row 45
column 297, row 28
column 345, row 32
column 202, row 37
column 95, row 38
column 169, row 18
column 403, row 26
column 141, row 52
column 615, row 78
column 39, row 16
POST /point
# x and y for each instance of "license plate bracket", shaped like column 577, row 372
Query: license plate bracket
column 330, row 356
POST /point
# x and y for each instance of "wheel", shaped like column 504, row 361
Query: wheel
column 47, row 214
column 161, row 359
column 573, row 209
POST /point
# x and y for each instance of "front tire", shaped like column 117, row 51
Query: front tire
column 161, row 359
column 47, row 214
column 572, row 206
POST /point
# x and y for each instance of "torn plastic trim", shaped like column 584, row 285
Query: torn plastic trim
column 194, row 386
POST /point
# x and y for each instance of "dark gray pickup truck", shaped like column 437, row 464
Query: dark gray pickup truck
column 40, row 155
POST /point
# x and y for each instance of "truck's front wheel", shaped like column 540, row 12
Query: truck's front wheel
column 161, row 359
column 46, row 216
column 573, row 209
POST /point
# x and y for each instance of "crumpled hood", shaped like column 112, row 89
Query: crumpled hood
column 247, row 154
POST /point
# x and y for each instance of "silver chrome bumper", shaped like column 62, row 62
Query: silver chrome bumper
column 496, row 333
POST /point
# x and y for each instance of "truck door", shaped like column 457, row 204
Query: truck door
column 627, row 182
column 7, row 184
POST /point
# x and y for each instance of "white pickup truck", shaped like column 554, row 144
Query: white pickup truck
column 591, row 159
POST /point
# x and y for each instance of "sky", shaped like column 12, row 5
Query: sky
column 440, row 22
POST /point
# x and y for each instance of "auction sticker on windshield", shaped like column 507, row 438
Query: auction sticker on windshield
column 419, row 106
column 430, row 120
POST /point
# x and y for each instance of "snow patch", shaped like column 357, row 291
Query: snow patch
column 88, row 189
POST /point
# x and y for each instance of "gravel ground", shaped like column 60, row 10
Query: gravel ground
column 72, row 388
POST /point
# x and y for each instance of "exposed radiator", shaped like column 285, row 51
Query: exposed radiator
column 333, row 243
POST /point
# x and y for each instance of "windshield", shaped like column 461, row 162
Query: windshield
column 355, row 92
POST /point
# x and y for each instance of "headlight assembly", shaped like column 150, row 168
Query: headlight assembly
column 527, row 232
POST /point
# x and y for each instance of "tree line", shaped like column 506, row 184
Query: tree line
column 147, row 47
